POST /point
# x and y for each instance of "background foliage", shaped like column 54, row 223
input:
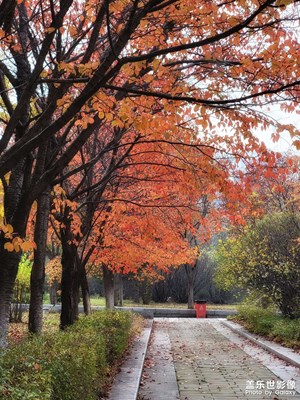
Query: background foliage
column 265, row 258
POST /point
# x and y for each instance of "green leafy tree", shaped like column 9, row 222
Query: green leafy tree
column 265, row 258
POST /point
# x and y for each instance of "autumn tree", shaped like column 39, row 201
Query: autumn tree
column 109, row 208
column 77, row 206
column 69, row 67
column 150, row 175
column 196, row 193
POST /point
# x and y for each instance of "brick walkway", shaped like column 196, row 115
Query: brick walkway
column 208, row 366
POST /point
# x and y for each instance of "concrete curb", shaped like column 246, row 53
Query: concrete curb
column 151, row 313
column 126, row 383
column 284, row 353
column 148, row 312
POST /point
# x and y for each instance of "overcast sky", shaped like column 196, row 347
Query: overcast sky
column 285, row 143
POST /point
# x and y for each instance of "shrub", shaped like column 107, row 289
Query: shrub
column 254, row 316
column 68, row 365
column 115, row 329
column 287, row 329
column 265, row 325
column 267, row 322
column 73, row 366
column 24, row 374
column 113, row 323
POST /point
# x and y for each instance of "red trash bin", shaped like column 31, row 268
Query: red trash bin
column 200, row 307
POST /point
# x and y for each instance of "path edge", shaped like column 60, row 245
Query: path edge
column 282, row 352
column 127, row 382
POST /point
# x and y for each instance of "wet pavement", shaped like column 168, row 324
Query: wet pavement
column 200, row 359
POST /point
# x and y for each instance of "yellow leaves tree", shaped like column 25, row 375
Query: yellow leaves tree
column 265, row 258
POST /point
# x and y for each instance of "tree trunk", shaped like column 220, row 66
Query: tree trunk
column 53, row 292
column 85, row 294
column 8, row 273
column 119, row 290
column 191, row 273
column 70, row 285
column 37, row 278
column 16, row 214
column 190, row 295
column 109, row 287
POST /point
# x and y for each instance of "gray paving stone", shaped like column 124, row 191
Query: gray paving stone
column 222, row 370
column 126, row 383
column 209, row 364
column 159, row 379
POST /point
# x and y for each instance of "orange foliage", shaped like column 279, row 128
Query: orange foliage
column 53, row 270
column 161, row 206
column 154, row 106
column 123, row 64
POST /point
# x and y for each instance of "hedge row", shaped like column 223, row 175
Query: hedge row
column 267, row 322
column 67, row 365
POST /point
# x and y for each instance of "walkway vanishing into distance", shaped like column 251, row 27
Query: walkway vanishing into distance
column 201, row 359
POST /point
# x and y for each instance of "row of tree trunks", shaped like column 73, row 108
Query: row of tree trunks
column 73, row 278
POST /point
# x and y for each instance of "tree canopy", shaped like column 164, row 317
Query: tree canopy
column 68, row 67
